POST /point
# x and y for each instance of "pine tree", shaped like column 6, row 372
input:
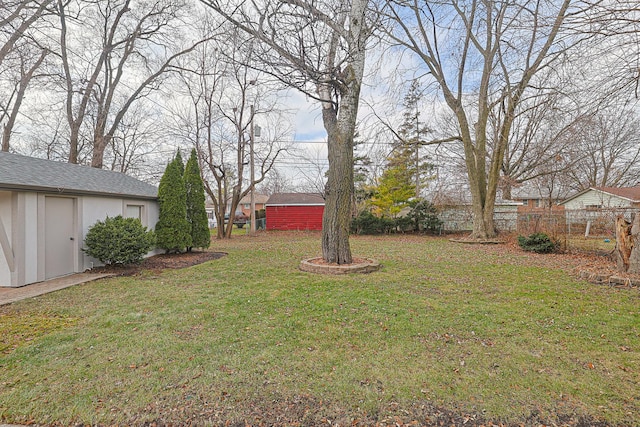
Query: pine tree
column 172, row 229
column 411, row 135
column 196, row 213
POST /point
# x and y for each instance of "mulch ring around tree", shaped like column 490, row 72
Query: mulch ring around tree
column 320, row 266
column 161, row 262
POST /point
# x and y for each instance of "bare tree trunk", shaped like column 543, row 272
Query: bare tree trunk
column 628, row 245
column 340, row 125
column 338, row 192
column 623, row 243
column 634, row 257
column 100, row 143
column 25, row 79
column 324, row 44
column 74, row 132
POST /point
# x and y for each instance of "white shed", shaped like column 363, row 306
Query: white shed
column 46, row 208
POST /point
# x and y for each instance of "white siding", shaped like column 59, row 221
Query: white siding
column 5, row 216
column 596, row 198
column 31, row 237
column 96, row 209
column 23, row 216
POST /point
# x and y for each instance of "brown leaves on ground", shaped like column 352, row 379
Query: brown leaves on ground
column 596, row 267
column 307, row 411
column 162, row 262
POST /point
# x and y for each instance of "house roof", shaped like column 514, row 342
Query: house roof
column 528, row 192
column 19, row 172
column 629, row 193
column 288, row 199
column 258, row 198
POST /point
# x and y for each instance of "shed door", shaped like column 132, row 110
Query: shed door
column 59, row 236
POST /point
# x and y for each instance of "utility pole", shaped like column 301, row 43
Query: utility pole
column 252, row 217
column 417, row 153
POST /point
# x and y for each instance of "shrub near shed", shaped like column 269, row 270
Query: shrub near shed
column 119, row 240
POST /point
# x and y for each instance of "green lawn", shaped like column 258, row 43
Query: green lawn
column 462, row 328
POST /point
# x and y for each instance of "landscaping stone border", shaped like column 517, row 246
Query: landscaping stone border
column 318, row 266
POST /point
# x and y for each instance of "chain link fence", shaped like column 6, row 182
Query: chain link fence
column 590, row 230
column 577, row 230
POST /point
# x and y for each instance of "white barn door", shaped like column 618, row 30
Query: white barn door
column 59, row 236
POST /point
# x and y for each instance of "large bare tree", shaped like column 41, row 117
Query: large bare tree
column 134, row 43
column 318, row 47
column 27, row 59
column 483, row 55
column 542, row 141
column 16, row 16
column 609, row 143
column 20, row 58
column 220, row 104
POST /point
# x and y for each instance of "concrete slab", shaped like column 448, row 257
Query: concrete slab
column 9, row 295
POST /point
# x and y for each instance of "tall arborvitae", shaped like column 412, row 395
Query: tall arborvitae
column 196, row 213
column 172, row 229
column 180, row 162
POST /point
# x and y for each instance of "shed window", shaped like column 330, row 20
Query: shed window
column 134, row 211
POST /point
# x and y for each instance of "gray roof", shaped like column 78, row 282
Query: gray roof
column 289, row 199
column 32, row 174
column 529, row 192
column 257, row 198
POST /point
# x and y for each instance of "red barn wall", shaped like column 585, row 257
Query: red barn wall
column 294, row 217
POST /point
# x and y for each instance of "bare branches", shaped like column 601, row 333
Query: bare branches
column 17, row 17
column 503, row 46
column 222, row 101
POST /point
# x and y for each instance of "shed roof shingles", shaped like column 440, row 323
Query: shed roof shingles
column 295, row 199
column 19, row 172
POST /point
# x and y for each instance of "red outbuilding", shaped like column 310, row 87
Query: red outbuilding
column 294, row 211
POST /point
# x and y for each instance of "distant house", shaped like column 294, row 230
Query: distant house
column 294, row 211
column 245, row 203
column 46, row 208
column 604, row 198
column 594, row 210
column 534, row 199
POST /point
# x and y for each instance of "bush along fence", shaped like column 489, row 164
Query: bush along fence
column 576, row 229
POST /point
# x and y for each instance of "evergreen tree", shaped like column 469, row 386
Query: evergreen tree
column 196, row 213
column 180, row 162
column 172, row 229
column 405, row 172
column 394, row 191
column 411, row 136
column 361, row 174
